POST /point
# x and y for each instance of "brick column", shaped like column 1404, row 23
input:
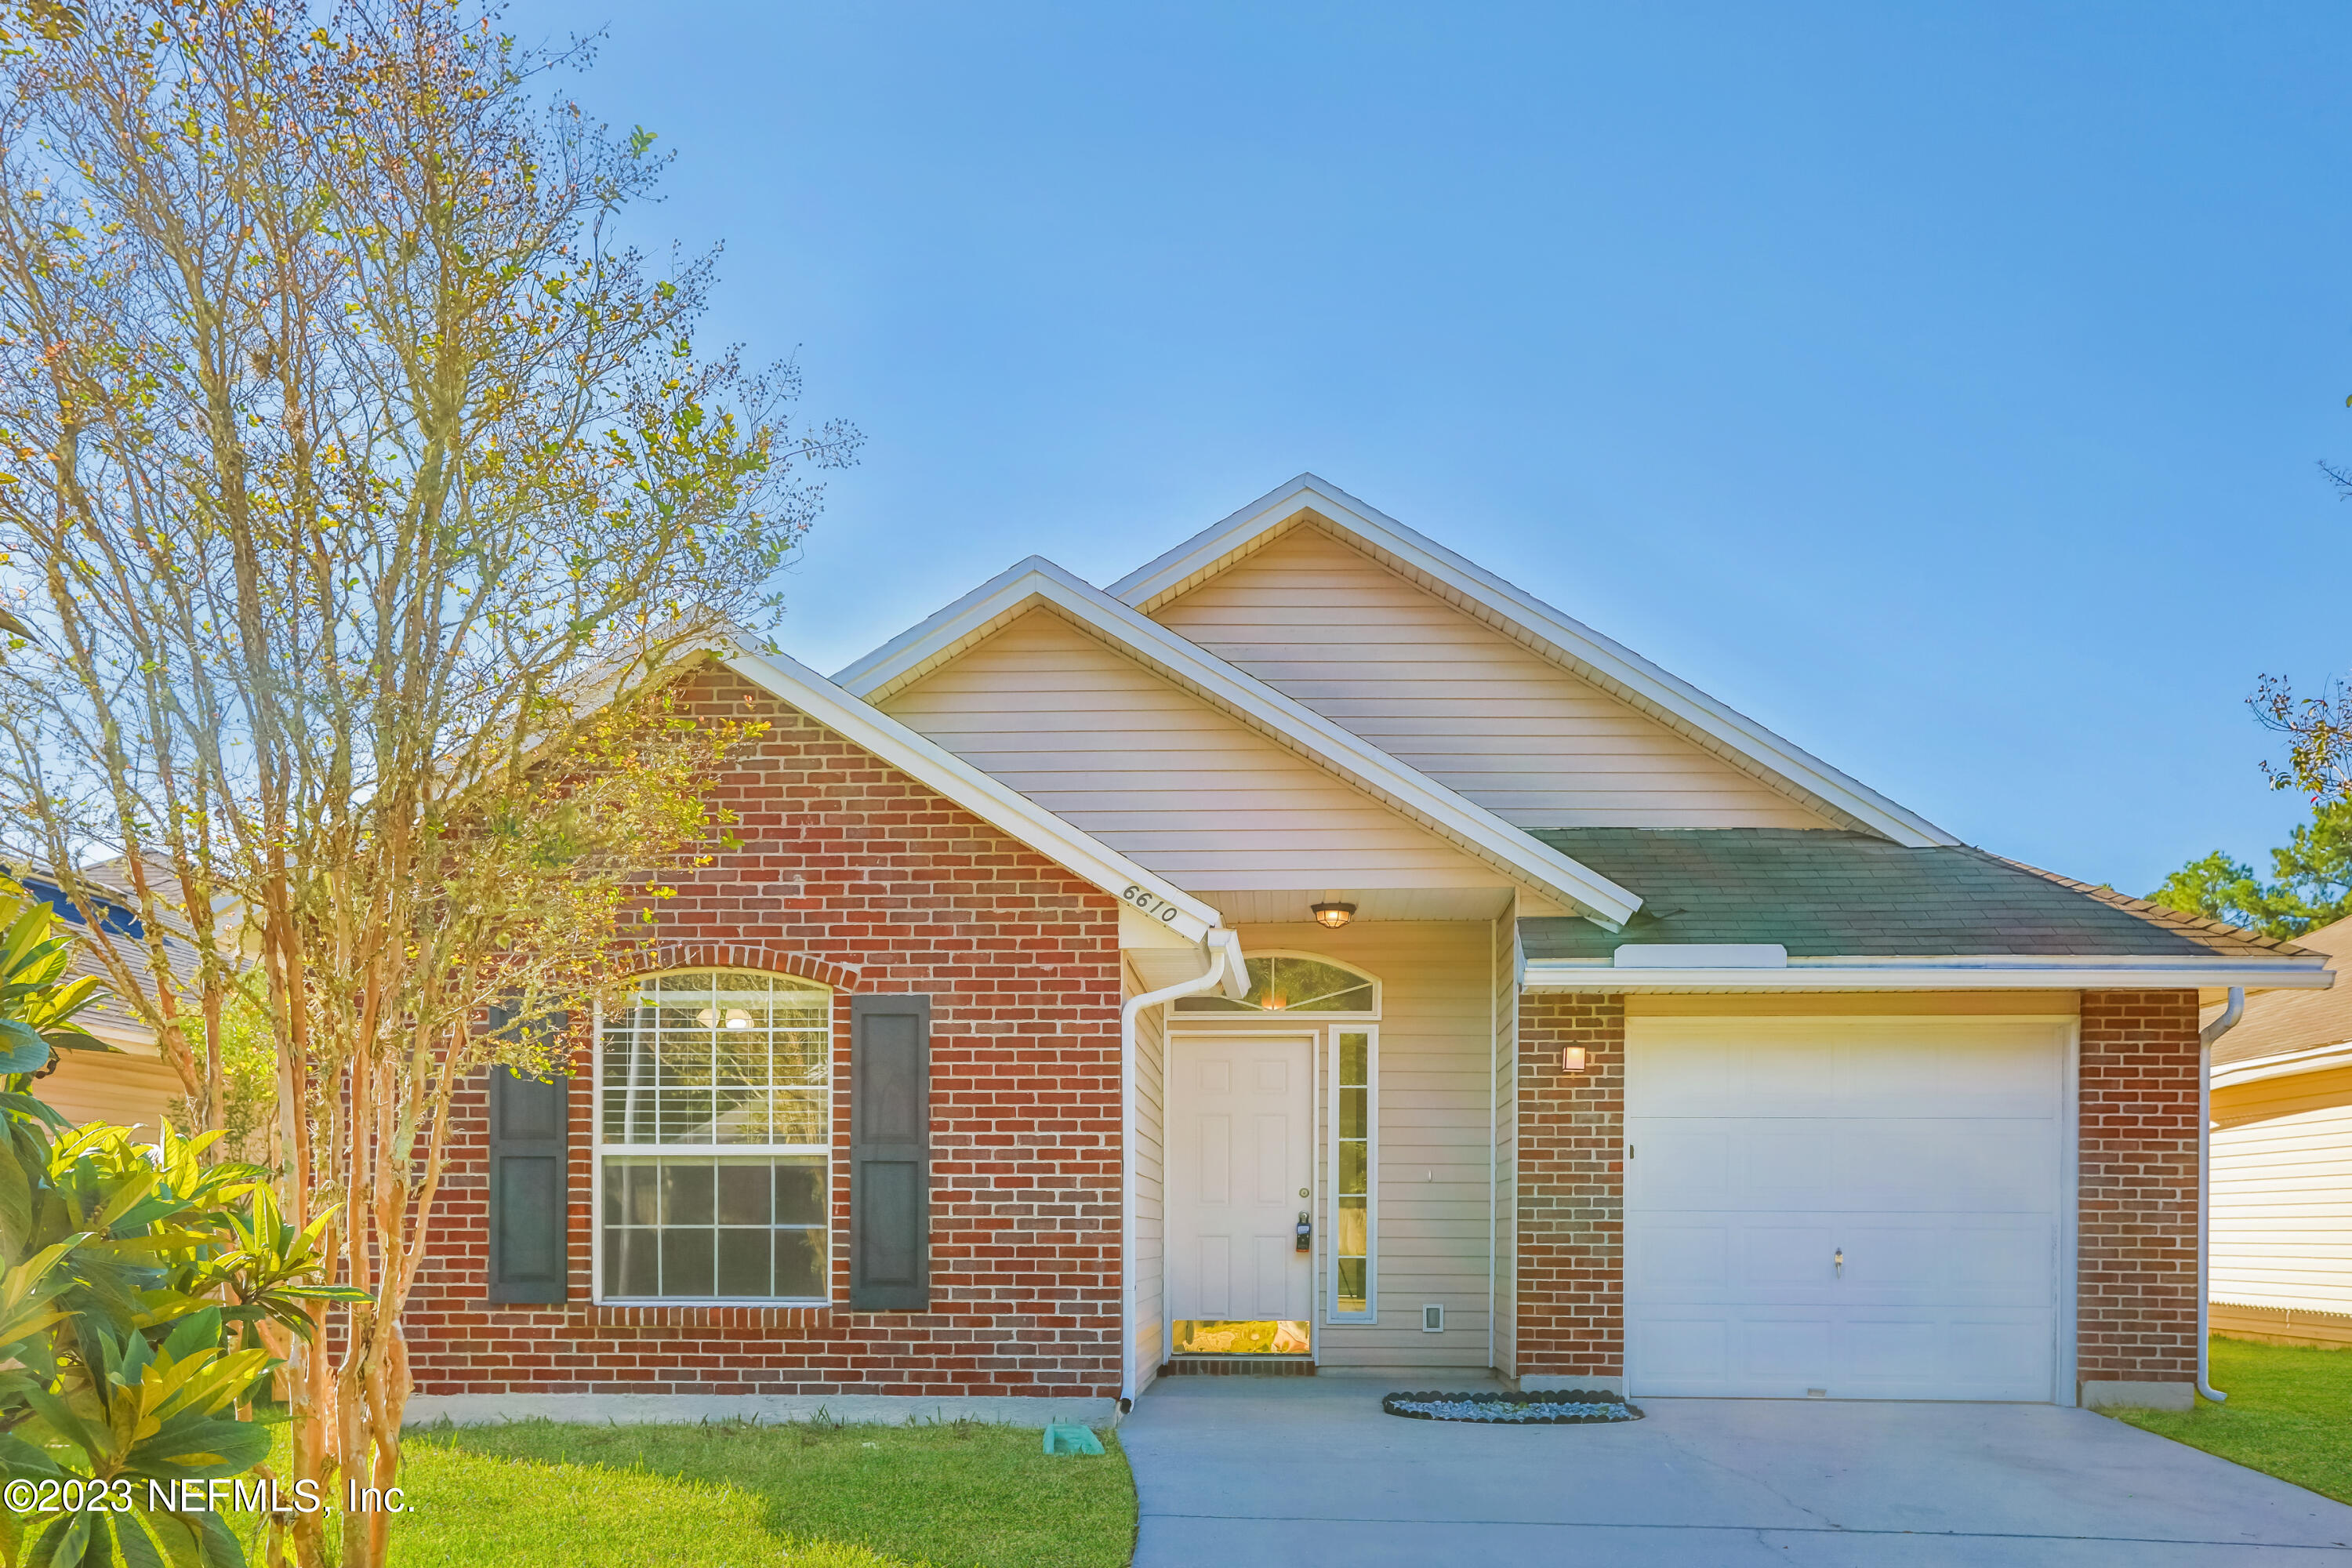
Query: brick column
column 1571, row 1192
column 2136, row 1278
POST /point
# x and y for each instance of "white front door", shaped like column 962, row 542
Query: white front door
column 1241, row 1153
column 1843, row 1207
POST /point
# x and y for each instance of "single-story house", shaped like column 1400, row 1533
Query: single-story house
column 2282, row 1173
column 1312, row 952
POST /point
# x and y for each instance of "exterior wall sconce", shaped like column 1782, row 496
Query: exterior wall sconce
column 1334, row 916
column 1572, row 1059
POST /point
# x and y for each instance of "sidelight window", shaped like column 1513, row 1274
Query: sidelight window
column 1355, row 1156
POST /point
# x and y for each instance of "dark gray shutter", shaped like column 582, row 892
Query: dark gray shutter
column 890, row 1153
column 531, row 1171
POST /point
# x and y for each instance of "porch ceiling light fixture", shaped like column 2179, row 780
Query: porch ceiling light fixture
column 1334, row 916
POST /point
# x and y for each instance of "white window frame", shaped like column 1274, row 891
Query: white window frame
column 1372, row 1312
column 598, row 1149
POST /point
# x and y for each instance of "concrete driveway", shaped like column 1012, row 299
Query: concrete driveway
column 1233, row 1472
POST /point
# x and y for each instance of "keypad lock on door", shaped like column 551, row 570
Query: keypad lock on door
column 1306, row 1233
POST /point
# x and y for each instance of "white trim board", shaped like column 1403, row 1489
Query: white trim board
column 2290, row 1064
column 994, row 802
column 1607, row 664
column 1036, row 582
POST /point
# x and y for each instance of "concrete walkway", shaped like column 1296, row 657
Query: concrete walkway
column 1237, row 1472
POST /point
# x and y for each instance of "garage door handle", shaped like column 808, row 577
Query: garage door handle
column 1837, row 1260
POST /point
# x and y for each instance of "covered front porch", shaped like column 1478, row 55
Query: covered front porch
column 1322, row 1165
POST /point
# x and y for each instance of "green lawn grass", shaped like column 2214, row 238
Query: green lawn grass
column 2289, row 1415
column 961, row 1495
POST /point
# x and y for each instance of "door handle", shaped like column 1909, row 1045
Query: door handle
column 1837, row 1261
column 1306, row 1232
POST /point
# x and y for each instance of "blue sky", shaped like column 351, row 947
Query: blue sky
column 1943, row 386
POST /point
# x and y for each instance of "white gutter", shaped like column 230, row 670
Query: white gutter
column 1224, row 957
column 2205, row 1038
column 1995, row 973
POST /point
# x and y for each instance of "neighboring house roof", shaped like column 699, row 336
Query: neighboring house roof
column 109, row 1017
column 1036, row 581
column 2296, row 1029
column 1606, row 664
column 1824, row 896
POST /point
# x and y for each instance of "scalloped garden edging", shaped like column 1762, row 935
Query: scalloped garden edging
column 1496, row 1408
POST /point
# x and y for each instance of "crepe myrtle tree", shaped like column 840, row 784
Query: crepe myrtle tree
column 134, row 1278
column 360, row 493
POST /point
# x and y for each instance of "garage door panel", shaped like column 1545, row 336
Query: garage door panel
column 2003, row 1358
column 1883, row 1354
column 1891, row 1259
column 1903, row 1260
column 1784, row 1349
column 1926, row 1150
column 1935, row 1164
column 1880, row 1348
column 1693, row 1164
column 1780, row 1165
column 1687, row 1261
column 1686, row 1351
column 1780, row 1258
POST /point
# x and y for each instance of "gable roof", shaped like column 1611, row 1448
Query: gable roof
column 1606, row 664
column 898, row 664
column 997, row 805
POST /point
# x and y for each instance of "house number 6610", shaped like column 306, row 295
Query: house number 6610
column 1151, row 903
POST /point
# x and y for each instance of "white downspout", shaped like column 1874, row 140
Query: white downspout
column 2205, row 1038
column 1222, row 944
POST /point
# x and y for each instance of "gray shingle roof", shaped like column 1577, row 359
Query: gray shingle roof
column 1824, row 894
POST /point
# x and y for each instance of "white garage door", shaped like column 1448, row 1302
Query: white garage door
column 1860, row 1208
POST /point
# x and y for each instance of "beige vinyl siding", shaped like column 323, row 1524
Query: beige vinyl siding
column 1337, row 631
column 93, row 1086
column 1503, row 984
column 1150, row 1323
column 1434, row 1110
column 2281, row 1227
column 1161, row 775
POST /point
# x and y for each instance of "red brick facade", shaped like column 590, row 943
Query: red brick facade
column 2135, row 1294
column 851, row 873
column 1571, row 1307
column 2136, row 1274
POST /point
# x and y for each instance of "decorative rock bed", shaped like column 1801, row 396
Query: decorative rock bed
column 1553, row 1408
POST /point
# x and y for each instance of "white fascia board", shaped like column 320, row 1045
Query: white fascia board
column 940, row 635
column 1037, row 581
column 1575, row 644
column 1990, row 972
column 2318, row 1059
column 1003, row 808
